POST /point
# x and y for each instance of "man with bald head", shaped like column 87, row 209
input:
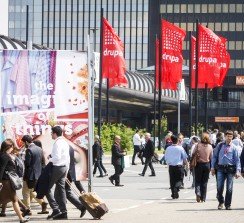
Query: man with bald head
column 148, row 153
column 117, row 161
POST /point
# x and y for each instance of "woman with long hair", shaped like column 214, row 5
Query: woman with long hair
column 204, row 153
column 8, row 194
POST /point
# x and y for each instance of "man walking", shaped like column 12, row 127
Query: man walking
column 117, row 161
column 61, row 160
column 137, row 142
column 175, row 157
column 33, row 167
column 227, row 162
column 148, row 153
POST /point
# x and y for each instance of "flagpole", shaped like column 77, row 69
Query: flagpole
column 160, row 86
column 107, row 101
column 155, row 91
column 190, row 87
column 196, row 79
column 206, row 106
column 100, row 78
column 90, row 113
column 179, row 89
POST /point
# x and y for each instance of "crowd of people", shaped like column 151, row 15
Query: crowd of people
column 220, row 154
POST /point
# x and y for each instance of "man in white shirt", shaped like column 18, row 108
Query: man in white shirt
column 137, row 142
column 60, row 159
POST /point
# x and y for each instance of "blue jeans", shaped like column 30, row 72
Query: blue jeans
column 221, row 177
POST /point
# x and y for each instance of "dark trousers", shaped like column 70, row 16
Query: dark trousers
column 136, row 151
column 99, row 165
column 118, row 171
column 57, row 199
column 176, row 174
column 148, row 162
column 73, row 198
column 201, row 179
column 221, row 177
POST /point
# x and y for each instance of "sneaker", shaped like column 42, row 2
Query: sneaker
column 220, row 206
column 140, row 174
column 119, row 185
column 228, row 208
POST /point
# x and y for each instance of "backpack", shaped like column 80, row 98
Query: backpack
column 19, row 166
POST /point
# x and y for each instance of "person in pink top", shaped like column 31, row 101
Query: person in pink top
column 204, row 152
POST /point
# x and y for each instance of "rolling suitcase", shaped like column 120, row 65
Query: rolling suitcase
column 92, row 202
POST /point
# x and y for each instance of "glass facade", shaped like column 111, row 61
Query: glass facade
column 224, row 19
column 64, row 24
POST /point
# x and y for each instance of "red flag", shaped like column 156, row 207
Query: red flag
column 172, row 59
column 225, row 61
column 193, row 64
column 209, row 57
column 113, row 62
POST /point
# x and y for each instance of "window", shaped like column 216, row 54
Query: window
column 218, row 8
column 239, row 8
column 204, row 8
column 232, row 8
column 197, row 8
column 169, row 8
column 183, row 8
column 211, row 8
column 190, row 8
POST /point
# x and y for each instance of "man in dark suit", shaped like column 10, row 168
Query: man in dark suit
column 33, row 167
column 117, row 161
column 148, row 153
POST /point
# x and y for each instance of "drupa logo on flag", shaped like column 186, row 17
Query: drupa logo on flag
column 172, row 60
column 113, row 57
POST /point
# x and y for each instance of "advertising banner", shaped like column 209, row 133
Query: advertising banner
column 41, row 89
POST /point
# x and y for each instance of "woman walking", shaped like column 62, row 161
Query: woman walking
column 204, row 153
column 8, row 194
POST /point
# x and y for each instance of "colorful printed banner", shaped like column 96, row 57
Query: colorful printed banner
column 40, row 89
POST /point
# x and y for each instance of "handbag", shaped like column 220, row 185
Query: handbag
column 15, row 180
column 194, row 158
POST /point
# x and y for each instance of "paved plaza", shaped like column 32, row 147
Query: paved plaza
column 147, row 199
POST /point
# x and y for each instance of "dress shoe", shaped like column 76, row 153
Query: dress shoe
column 26, row 212
column 82, row 213
column 152, row 175
column 44, row 209
column 61, row 216
column 119, row 185
column 24, row 220
column 198, row 199
column 220, row 206
column 54, row 214
column 228, row 208
column 140, row 174
column 100, row 176
column 111, row 180
column 134, row 164
column 2, row 215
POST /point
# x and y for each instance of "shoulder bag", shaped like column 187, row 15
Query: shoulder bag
column 15, row 181
column 194, row 158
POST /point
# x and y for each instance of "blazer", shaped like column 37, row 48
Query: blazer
column 117, row 155
column 42, row 184
column 33, row 162
column 6, row 164
column 149, row 149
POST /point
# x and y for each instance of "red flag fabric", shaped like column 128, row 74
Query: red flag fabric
column 225, row 61
column 209, row 57
column 113, row 62
column 172, row 59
